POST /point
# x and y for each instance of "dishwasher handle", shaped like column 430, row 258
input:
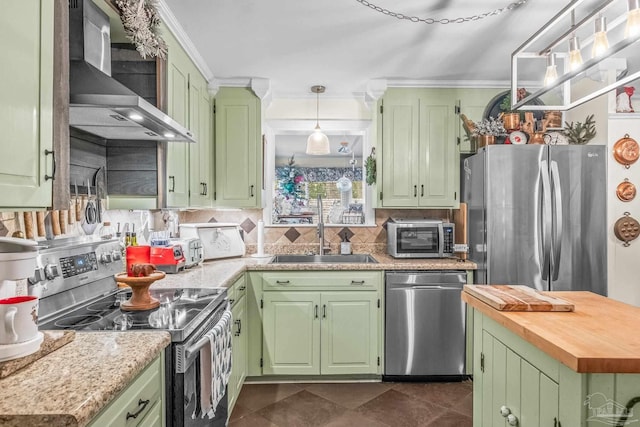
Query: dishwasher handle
column 434, row 287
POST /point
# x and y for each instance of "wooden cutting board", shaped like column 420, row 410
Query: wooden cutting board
column 460, row 221
column 517, row 298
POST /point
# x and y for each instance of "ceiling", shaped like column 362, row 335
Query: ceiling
column 343, row 44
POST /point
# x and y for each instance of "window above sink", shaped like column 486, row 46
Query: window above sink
column 294, row 179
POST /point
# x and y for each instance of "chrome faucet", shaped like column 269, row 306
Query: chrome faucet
column 322, row 248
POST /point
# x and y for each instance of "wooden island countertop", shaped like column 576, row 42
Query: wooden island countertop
column 600, row 336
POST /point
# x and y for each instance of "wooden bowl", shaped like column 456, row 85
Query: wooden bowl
column 141, row 298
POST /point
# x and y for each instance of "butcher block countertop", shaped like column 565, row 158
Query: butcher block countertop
column 69, row 386
column 600, row 336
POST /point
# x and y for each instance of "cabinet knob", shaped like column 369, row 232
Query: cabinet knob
column 504, row 411
column 512, row 420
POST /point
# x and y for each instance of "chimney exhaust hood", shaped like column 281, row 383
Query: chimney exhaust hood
column 99, row 104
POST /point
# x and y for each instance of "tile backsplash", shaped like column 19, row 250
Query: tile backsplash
column 278, row 239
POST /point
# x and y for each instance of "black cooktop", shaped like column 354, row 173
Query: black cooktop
column 181, row 310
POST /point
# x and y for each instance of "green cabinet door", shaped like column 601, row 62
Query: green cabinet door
column 200, row 154
column 349, row 333
column 238, row 149
column 239, row 353
column 513, row 390
column 420, row 157
column 400, row 127
column 291, row 328
column 26, row 93
column 178, row 152
column 438, row 158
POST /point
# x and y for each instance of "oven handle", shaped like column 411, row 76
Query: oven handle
column 198, row 345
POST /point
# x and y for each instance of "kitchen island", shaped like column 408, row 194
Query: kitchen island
column 72, row 385
column 577, row 368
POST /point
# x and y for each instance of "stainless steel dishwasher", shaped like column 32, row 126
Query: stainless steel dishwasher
column 424, row 325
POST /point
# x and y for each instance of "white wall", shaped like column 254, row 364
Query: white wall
column 623, row 262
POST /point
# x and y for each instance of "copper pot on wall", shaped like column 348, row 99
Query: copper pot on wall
column 553, row 119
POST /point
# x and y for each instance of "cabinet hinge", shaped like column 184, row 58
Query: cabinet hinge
column 482, row 362
column 455, row 195
column 261, row 362
column 458, row 139
column 378, row 360
column 215, row 195
column 214, row 108
column 381, row 109
column 378, row 302
column 261, row 303
column 457, row 109
column 381, row 195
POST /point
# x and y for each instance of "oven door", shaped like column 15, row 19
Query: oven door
column 186, row 406
column 419, row 241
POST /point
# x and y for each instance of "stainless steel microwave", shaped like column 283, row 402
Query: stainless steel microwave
column 419, row 238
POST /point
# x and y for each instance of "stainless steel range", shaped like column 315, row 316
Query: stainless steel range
column 77, row 289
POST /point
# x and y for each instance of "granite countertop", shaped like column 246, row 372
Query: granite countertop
column 224, row 272
column 599, row 336
column 71, row 385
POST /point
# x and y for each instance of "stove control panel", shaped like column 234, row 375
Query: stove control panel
column 78, row 264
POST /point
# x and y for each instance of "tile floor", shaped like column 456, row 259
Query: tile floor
column 354, row 405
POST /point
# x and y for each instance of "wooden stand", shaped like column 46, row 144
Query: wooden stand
column 140, row 299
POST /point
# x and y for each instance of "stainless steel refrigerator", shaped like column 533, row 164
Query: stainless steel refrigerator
column 537, row 216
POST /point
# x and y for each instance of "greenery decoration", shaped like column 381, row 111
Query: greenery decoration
column 580, row 133
column 370, row 167
column 141, row 23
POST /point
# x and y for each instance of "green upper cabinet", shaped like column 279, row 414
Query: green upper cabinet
column 238, row 149
column 420, row 157
column 201, row 154
column 26, row 108
column 189, row 166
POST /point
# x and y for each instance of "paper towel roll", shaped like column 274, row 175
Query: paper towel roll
column 260, row 249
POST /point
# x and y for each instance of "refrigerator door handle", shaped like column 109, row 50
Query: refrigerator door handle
column 557, row 219
column 546, row 219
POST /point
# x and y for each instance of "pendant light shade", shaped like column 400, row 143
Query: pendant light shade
column 633, row 19
column 575, row 56
column 551, row 74
column 317, row 143
column 600, row 40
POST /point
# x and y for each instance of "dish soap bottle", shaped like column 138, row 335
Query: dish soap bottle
column 345, row 245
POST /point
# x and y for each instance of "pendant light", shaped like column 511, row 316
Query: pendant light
column 633, row 19
column 317, row 143
column 551, row 75
column 575, row 57
column 600, row 41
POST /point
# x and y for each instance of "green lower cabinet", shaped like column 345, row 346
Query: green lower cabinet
column 320, row 333
column 239, row 352
column 291, row 328
column 141, row 404
column 515, row 383
column 349, row 333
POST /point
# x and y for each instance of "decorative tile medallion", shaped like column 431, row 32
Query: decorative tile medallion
column 348, row 232
column 292, row 234
column 248, row 225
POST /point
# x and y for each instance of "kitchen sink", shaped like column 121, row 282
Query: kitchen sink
column 324, row 259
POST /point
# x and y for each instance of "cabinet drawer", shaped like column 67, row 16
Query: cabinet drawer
column 351, row 280
column 236, row 291
column 140, row 399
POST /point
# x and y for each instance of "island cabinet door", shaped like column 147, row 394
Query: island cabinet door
column 291, row 330
column 514, row 392
column 349, row 333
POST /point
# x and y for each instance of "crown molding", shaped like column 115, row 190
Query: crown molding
column 180, row 34
column 469, row 84
column 235, row 82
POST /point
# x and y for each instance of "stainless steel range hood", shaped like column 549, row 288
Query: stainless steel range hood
column 99, row 104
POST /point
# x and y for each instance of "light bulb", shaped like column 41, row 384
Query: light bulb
column 575, row 57
column 600, row 41
column 632, row 28
column 551, row 75
column 317, row 143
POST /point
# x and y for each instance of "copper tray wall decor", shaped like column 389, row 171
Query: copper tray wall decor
column 626, row 191
column 626, row 151
column 626, row 229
